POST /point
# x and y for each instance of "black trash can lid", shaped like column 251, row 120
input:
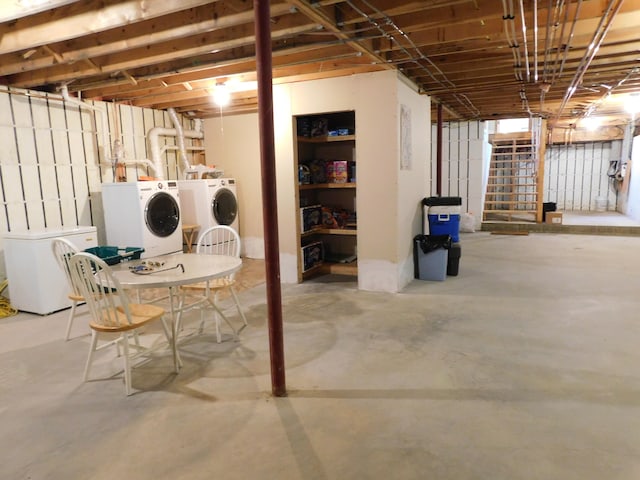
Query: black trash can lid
column 441, row 201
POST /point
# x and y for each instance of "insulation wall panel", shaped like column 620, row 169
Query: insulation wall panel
column 575, row 175
column 50, row 160
column 462, row 163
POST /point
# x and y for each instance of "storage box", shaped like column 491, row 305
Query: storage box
column 319, row 127
column 114, row 255
column 310, row 217
column 554, row 217
column 337, row 171
column 312, row 255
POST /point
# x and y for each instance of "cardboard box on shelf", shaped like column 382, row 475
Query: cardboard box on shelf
column 337, row 171
column 554, row 218
column 310, row 217
column 312, row 255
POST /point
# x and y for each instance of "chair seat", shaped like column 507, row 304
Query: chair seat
column 75, row 298
column 140, row 314
column 215, row 284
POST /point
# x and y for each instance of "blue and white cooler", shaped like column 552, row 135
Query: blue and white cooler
column 441, row 216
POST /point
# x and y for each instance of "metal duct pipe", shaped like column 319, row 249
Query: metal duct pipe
column 179, row 137
column 156, row 151
column 154, row 147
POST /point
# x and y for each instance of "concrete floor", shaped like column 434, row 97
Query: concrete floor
column 524, row 366
column 608, row 218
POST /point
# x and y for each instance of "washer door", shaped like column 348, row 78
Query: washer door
column 224, row 207
column 162, row 214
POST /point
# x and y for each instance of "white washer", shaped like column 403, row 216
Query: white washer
column 143, row 214
column 209, row 202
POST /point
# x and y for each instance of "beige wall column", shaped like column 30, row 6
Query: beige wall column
column 388, row 194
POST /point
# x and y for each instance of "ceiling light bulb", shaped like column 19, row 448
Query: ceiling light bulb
column 632, row 104
column 591, row 123
column 221, row 95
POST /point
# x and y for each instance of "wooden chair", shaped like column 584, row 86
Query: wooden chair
column 218, row 240
column 112, row 312
column 63, row 250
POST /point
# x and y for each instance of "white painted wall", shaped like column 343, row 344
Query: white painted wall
column 49, row 161
column 233, row 144
column 414, row 178
column 384, row 261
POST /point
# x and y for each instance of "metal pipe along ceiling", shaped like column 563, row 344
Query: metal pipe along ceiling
column 524, row 40
column 594, row 45
column 445, row 82
column 569, row 40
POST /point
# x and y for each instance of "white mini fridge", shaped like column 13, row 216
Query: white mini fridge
column 36, row 282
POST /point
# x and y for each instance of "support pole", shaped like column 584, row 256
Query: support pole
column 439, row 153
column 269, row 202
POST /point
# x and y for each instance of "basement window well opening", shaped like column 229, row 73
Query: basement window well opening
column 512, row 125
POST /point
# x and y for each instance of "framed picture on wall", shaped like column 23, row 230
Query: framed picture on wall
column 405, row 138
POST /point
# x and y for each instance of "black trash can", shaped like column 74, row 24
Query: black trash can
column 430, row 256
column 453, row 259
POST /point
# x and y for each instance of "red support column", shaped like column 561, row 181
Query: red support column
column 439, row 153
column 269, row 201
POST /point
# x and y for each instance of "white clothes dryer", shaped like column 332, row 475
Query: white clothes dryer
column 143, row 214
column 224, row 203
column 209, row 202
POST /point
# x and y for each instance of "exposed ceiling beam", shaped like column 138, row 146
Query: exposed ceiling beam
column 81, row 18
column 13, row 9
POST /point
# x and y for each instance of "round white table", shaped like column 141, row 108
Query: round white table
column 195, row 268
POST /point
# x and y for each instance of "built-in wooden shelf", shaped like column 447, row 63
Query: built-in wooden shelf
column 313, row 186
column 327, row 139
column 330, row 231
column 333, row 268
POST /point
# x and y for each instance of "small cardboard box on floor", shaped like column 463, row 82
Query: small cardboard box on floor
column 553, row 218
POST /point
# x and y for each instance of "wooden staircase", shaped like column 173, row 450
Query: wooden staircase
column 514, row 185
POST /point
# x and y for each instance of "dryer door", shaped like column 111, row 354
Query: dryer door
column 224, row 207
column 162, row 214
